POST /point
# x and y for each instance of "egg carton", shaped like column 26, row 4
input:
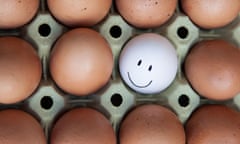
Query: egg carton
column 116, row 99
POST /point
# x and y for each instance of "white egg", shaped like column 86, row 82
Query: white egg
column 148, row 63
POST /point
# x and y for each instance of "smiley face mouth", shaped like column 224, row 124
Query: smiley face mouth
column 139, row 86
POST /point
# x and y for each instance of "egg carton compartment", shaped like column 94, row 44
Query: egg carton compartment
column 116, row 99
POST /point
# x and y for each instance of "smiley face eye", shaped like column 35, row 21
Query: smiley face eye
column 139, row 62
column 150, row 68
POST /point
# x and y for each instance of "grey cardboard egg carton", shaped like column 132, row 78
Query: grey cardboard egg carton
column 114, row 100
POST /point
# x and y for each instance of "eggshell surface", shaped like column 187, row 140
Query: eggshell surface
column 213, row 124
column 146, row 13
column 148, row 63
column 16, row 13
column 151, row 124
column 83, row 126
column 211, row 14
column 20, row 71
column 79, row 12
column 81, row 62
column 18, row 127
column 212, row 68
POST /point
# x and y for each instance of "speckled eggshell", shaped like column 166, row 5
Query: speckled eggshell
column 146, row 13
column 79, row 12
column 16, row 13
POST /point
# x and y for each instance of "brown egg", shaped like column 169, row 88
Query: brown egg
column 20, row 71
column 211, row 14
column 81, row 62
column 83, row 126
column 213, row 124
column 146, row 13
column 212, row 68
column 79, row 12
column 151, row 124
column 16, row 13
column 18, row 127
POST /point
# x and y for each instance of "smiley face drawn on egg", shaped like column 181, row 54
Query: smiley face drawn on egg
column 148, row 63
column 132, row 81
